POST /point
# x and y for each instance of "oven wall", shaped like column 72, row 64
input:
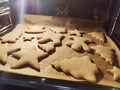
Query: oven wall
column 85, row 9
column 113, row 24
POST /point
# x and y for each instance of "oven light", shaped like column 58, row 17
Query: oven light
column 21, row 4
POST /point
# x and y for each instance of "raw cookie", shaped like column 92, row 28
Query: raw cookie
column 99, row 36
column 78, row 43
column 5, row 50
column 50, row 36
column 58, row 30
column 105, row 52
column 48, row 47
column 115, row 71
column 12, row 36
column 28, row 56
column 35, row 29
column 78, row 67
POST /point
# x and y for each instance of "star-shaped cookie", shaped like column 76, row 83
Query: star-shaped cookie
column 28, row 56
column 78, row 43
column 99, row 36
column 28, row 37
column 115, row 71
column 48, row 47
column 105, row 52
column 78, row 67
column 5, row 50
column 3, row 53
column 50, row 36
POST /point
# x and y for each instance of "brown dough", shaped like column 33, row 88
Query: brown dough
column 79, row 43
column 115, row 71
column 78, row 67
column 28, row 56
column 105, row 52
column 50, row 36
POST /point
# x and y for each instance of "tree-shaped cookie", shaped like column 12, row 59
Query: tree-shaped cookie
column 78, row 43
column 50, row 36
column 48, row 47
column 78, row 67
column 99, row 36
column 35, row 29
column 105, row 52
column 58, row 30
column 5, row 50
column 116, row 72
column 28, row 56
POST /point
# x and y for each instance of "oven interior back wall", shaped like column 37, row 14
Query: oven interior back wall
column 85, row 9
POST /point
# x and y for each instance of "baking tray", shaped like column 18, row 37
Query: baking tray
column 42, row 82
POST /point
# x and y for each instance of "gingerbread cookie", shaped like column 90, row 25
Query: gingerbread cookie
column 105, row 52
column 28, row 56
column 115, row 71
column 58, row 30
column 35, row 29
column 78, row 67
column 12, row 36
column 28, row 37
column 78, row 43
column 50, row 36
column 48, row 47
column 74, row 32
column 5, row 50
column 99, row 36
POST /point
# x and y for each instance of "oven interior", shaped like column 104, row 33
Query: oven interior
column 105, row 11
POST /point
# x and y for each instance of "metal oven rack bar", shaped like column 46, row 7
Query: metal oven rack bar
column 41, row 83
column 5, row 11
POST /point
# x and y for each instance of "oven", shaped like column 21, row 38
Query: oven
column 105, row 13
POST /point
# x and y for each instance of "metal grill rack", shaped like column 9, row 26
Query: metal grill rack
column 5, row 16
